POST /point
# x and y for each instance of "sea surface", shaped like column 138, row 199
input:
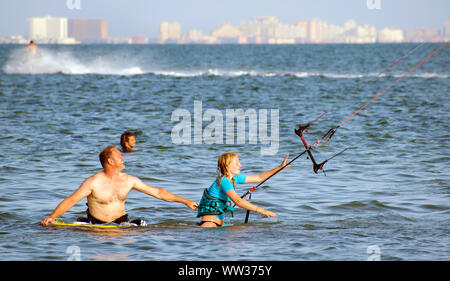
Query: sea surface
column 387, row 197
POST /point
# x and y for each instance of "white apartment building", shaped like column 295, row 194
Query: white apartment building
column 49, row 30
column 390, row 35
column 169, row 32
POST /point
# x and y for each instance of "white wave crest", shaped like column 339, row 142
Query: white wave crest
column 297, row 74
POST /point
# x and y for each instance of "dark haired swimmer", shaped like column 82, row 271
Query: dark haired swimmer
column 30, row 52
column 216, row 200
column 107, row 191
column 127, row 141
column 31, row 48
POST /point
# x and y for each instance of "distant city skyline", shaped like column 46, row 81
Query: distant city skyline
column 261, row 30
column 142, row 17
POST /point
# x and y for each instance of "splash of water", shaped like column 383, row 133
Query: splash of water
column 65, row 62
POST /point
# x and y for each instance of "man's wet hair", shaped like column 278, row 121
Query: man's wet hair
column 106, row 154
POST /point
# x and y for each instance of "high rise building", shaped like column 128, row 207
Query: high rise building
column 169, row 32
column 361, row 35
column 37, row 28
column 447, row 31
column 390, row 35
column 302, row 26
column 334, row 34
column 269, row 30
column 49, row 30
column 88, row 30
column 316, row 30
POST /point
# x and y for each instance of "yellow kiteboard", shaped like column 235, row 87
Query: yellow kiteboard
column 60, row 222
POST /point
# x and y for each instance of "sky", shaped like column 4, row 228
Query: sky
column 130, row 17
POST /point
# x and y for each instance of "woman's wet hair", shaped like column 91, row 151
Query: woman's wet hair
column 125, row 137
column 223, row 166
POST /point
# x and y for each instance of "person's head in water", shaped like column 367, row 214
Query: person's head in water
column 127, row 141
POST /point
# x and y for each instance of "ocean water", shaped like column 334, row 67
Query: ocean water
column 386, row 197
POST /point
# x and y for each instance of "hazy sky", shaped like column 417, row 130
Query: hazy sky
column 130, row 17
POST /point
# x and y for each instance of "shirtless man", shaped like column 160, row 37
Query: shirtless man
column 107, row 190
column 30, row 53
column 32, row 48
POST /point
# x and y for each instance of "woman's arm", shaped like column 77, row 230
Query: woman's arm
column 247, row 205
column 264, row 175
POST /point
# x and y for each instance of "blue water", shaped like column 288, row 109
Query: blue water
column 388, row 191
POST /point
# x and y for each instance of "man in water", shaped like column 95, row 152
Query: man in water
column 30, row 52
column 107, row 190
column 32, row 48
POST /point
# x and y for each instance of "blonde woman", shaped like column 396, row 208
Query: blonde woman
column 217, row 199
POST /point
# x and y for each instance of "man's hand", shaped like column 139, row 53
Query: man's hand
column 47, row 221
column 192, row 204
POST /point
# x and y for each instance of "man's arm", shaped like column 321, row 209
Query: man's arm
column 162, row 194
column 83, row 191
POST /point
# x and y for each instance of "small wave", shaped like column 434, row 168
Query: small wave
column 208, row 72
column 4, row 216
column 295, row 74
column 349, row 205
column 434, row 207
column 371, row 205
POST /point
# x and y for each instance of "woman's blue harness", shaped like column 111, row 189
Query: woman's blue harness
column 213, row 206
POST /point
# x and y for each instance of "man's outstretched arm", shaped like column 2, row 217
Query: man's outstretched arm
column 162, row 194
column 83, row 191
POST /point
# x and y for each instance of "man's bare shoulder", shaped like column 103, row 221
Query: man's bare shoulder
column 95, row 177
column 129, row 178
column 100, row 178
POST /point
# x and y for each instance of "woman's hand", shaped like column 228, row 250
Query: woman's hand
column 265, row 212
column 284, row 162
